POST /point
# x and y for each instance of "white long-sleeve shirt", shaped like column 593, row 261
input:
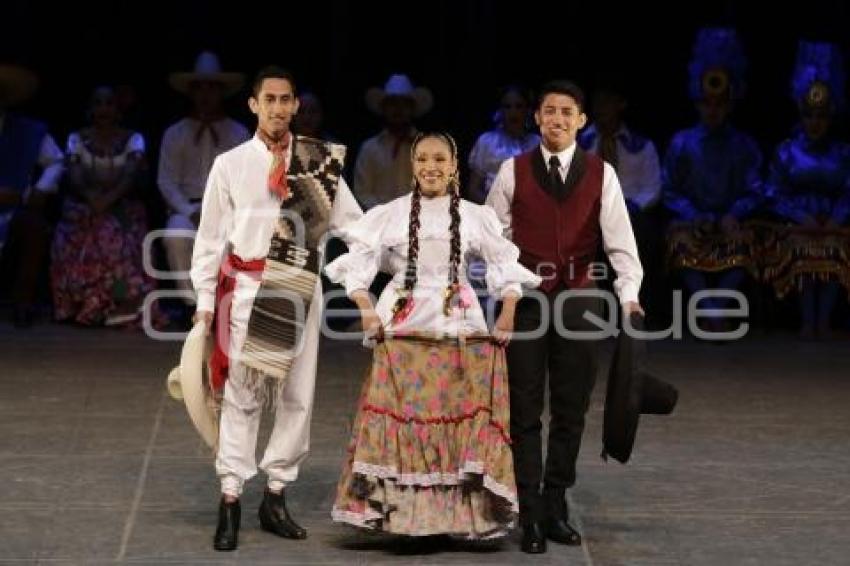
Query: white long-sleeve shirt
column 638, row 168
column 618, row 240
column 383, row 169
column 239, row 212
column 380, row 240
column 185, row 159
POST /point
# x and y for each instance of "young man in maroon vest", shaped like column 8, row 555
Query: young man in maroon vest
column 559, row 204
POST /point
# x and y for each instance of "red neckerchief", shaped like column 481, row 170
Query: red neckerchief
column 277, row 173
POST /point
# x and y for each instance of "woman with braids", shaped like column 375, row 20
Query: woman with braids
column 429, row 452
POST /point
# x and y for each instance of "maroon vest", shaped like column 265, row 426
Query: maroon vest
column 557, row 238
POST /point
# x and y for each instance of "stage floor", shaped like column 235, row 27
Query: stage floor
column 99, row 465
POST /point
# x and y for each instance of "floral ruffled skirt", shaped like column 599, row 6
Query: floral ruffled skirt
column 430, row 452
column 96, row 262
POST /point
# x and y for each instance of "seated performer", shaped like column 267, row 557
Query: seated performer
column 30, row 169
column 429, row 452
column 809, row 186
column 382, row 168
column 710, row 176
column 186, row 155
column 635, row 160
column 512, row 135
column 97, row 272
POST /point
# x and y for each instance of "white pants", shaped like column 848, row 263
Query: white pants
column 178, row 250
column 241, row 411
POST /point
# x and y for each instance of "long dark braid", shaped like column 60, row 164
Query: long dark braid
column 410, row 272
column 410, row 275
column 454, row 254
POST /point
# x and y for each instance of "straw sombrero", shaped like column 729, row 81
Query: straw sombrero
column 207, row 68
column 188, row 382
column 400, row 85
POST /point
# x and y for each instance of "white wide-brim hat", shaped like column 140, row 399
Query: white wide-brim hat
column 207, row 68
column 400, row 85
column 188, row 383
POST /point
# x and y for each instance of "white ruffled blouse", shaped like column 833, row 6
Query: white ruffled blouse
column 378, row 241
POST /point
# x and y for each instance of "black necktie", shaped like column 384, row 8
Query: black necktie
column 557, row 183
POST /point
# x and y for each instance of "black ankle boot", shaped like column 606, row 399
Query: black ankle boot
column 533, row 538
column 227, row 532
column 275, row 518
column 558, row 527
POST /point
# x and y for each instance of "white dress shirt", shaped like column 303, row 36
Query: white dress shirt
column 239, row 210
column 618, row 240
column 383, row 170
column 185, row 159
column 639, row 172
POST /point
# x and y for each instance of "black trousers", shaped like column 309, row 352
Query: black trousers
column 571, row 366
column 24, row 254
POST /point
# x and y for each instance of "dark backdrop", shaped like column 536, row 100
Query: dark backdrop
column 462, row 50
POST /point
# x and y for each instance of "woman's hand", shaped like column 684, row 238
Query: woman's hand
column 504, row 328
column 371, row 323
column 369, row 319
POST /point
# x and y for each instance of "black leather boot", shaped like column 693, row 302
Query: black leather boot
column 227, row 532
column 533, row 538
column 275, row 518
column 558, row 528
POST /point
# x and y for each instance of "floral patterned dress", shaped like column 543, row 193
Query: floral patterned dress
column 430, row 448
column 96, row 258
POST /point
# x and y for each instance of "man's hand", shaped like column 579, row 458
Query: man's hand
column 204, row 316
column 633, row 307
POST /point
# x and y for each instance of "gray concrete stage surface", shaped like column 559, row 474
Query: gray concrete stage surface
column 98, row 465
